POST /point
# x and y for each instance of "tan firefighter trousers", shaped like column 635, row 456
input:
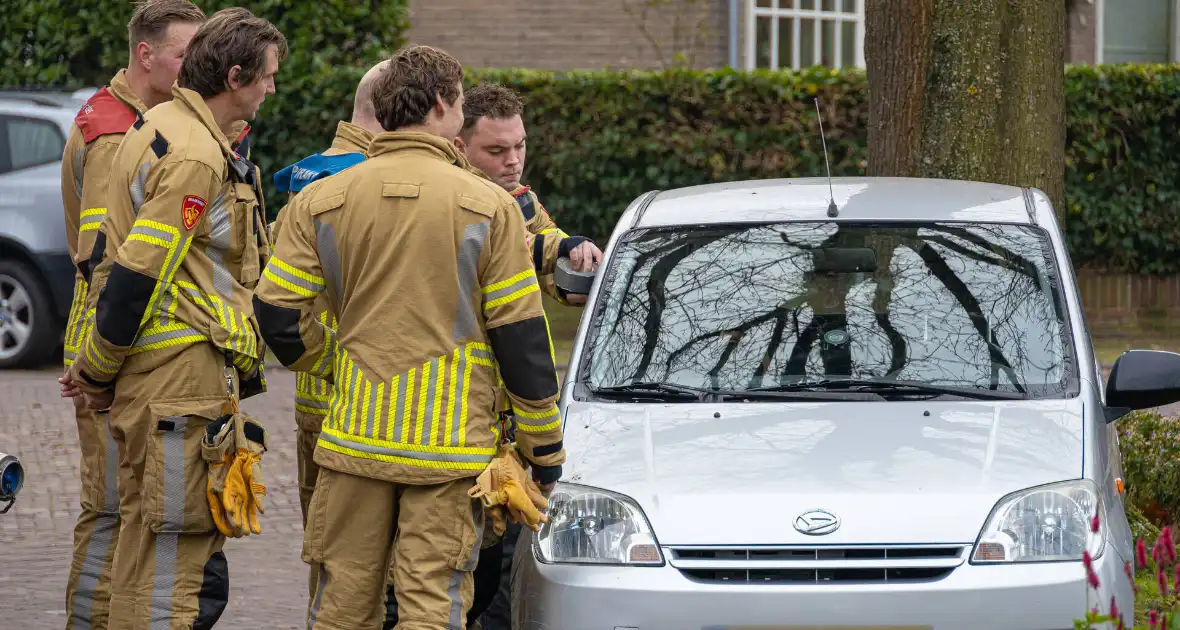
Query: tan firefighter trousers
column 358, row 525
column 88, row 591
column 169, row 570
column 307, row 433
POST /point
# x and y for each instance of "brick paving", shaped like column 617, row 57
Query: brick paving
column 268, row 581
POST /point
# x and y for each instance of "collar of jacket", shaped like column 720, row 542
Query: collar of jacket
column 437, row 146
column 196, row 104
column 121, row 89
column 351, row 138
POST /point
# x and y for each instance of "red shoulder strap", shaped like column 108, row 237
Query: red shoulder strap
column 103, row 113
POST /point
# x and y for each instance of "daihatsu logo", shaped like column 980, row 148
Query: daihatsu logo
column 816, row 523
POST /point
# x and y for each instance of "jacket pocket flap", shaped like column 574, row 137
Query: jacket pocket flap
column 400, row 189
column 479, row 206
column 324, row 204
column 208, row 408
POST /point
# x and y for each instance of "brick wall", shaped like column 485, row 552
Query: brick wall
column 569, row 34
column 1082, row 33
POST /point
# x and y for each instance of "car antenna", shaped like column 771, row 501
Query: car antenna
column 832, row 210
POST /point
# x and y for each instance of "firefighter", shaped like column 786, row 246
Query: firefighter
column 435, row 295
column 312, row 394
column 493, row 141
column 158, row 32
column 174, row 343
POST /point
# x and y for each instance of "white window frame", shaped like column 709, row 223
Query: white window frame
column 1100, row 31
column 753, row 12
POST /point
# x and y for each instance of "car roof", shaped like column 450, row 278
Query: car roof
column 857, row 199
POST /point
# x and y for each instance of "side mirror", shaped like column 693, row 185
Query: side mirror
column 1142, row 379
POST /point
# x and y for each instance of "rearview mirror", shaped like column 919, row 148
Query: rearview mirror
column 1142, row 379
column 844, row 259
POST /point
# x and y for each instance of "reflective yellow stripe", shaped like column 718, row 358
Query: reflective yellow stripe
column 91, row 219
column 98, row 360
column 509, row 290
column 451, row 458
column 535, row 422
column 292, row 279
column 509, row 282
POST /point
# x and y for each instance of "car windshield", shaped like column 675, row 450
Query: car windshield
column 777, row 306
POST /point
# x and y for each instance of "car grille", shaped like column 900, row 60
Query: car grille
column 817, row 565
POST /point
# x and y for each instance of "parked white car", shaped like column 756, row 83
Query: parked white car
column 888, row 418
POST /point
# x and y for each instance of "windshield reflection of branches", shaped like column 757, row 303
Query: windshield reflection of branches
column 742, row 307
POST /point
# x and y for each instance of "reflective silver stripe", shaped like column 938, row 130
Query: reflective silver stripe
column 403, row 392
column 457, row 619
column 147, row 230
column 537, row 422
column 354, row 402
column 70, row 355
column 394, row 452
column 165, row 336
column 219, row 243
column 79, row 165
column 310, row 285
column 480, row 353
column 510, row 289
column 427, row 428
column 164, row 581
column 325, row 243
column 105, row 528
column 374, row 407
column 94, row 218
column 459, row 399
column 319, row 598
column 321, row 366
column 137, row 186
column 473, row 241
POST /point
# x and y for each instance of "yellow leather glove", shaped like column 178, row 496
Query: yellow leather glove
column 244, row 490
column 217, row 451
column 505, row 487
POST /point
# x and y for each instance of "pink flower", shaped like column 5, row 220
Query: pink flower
column 1161, row 578
column 1088, row 562
column 1114, row 608
column 1153, row 618
column 1176, row 580
column 1094, row 523
column 1141, row 553
column 1169, row 544
column 1130, row 576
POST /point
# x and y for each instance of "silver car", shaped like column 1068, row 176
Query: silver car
column 887, row 418
column 36, row 273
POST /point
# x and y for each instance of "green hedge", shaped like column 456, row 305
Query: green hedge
column 599, row 139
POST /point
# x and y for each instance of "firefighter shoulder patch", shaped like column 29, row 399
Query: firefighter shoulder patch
column 191, row 210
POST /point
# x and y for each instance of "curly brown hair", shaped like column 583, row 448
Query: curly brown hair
column 489, row 100
column 231, row 37
column 406, row 90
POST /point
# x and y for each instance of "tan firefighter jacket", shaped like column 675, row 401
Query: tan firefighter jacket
column 183, row 245
column 96, row 133
column 423, row 264
column 312, row 394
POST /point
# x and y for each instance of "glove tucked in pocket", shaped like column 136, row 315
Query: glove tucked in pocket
column 243, row 497
column 217, row 449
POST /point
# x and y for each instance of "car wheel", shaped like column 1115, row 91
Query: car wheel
column 27, row 323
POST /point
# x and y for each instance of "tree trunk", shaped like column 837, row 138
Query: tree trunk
column 968, row 89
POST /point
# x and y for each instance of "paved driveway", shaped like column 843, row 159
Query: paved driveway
column 268, row 581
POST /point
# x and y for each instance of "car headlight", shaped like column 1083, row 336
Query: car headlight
column 592, row 526
column 1043, row 524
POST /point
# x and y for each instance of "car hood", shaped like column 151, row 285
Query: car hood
column 897, row 472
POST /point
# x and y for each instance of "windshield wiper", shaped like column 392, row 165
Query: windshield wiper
column 893, row 387
column 655, row 388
